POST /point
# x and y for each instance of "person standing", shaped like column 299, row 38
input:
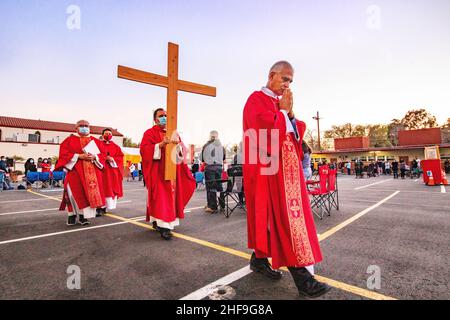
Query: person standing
column 80, row 155
column 213, row 155
column 166, row 199
column 387, row 166
column 395, row 168
column 112, row 172
column 306, row 161
column 402, row 168
column 280, row 223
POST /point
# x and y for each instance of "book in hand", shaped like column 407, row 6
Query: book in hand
column 91, row 148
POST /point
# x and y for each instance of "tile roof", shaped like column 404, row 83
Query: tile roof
column 47, row 125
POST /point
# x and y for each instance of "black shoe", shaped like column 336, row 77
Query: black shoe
column 83, row 221
column 165, row 233
column 155, row 226
column 72, row 220
column 99, row 212
column 306, row 284
column 263, row 266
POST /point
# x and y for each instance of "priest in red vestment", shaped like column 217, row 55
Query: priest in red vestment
column 112, row 172
column 166, row 199
column 80, row 157
column 280, row 223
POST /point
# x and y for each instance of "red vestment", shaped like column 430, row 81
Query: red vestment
column 85, row 178
column 166, row 201
column 280, row 223
column 112, row 177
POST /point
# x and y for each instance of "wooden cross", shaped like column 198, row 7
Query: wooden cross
column 173, row 85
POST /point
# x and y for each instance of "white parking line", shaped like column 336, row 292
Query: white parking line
column 64, row 232
column 40, row 210
column 333, row 230
column 372, row 184
column 28, row 211
column 443, row 189
column 209, row 288
column 25, row 200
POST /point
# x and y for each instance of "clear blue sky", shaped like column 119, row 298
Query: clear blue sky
column 356, row 61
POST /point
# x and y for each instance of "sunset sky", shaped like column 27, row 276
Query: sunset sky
column 356, row 61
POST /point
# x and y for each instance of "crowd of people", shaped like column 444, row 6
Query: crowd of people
column 377, row 168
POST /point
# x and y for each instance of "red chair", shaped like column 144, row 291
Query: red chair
column 319, row 195
column 333, row 195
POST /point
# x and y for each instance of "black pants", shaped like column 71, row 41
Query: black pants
column 214, row 172
column 402, row 173
column 395, row 174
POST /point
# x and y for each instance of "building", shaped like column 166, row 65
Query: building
column 412, row 144
column 29, row 138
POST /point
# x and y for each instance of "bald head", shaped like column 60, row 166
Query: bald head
column 280, row 77
column 82, row 123
column 280, row 65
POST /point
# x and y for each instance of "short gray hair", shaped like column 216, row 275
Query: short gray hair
column 280, row 65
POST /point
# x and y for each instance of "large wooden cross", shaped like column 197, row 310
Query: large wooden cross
column 173, row 85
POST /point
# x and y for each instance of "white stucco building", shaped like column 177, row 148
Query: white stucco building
column 29, row 138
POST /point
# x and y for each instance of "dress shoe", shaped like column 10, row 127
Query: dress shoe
column 155, row 226
column 263, row 266
column 165, row 233
column 306, row 284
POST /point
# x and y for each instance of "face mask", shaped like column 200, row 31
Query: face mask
column 83, row 131
column 45, row 161
column 31, row 161
column 163, row 121
column 107, row 137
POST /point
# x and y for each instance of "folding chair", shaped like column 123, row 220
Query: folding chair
column 233, row 194
column 319, row 201
column 2, row 179
column 199, row 180
column 32, row 177
column 333, row 192
column 44, row 177
column 57, row 176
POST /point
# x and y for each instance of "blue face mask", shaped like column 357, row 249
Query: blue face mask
column 83, row 130
column 163, row 120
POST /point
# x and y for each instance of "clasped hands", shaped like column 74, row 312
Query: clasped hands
column 287, row 102
column 86, row 156
column 167, row 141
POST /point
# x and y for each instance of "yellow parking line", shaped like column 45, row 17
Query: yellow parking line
column 337, row 284
column 43, row 195
column 188, row 238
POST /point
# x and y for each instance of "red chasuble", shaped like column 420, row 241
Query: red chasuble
column 280, row 223
column 166, row 200
column 112, row 177
column 85, row 178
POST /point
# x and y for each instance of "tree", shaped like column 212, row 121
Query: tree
column 127, row 142
column 419, row 119
column 311, row 139
column 346, row 131
column 445, row 132
column 379, row 135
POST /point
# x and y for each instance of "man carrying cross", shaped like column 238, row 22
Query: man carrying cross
column 166, row 199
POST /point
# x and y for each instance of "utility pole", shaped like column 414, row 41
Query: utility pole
column 317, row 118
